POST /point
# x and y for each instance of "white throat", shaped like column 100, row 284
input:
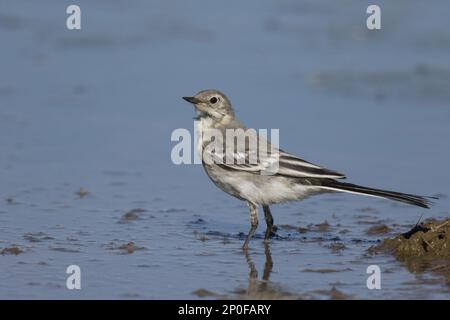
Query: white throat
column 202, row 124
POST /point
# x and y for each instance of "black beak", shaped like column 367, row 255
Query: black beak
column 193, row 100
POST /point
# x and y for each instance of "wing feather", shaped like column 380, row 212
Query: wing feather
column 274, row 161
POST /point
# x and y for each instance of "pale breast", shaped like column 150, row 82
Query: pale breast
column 202, row 124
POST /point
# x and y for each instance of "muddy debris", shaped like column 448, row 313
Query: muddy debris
column 303, row 230
column 81, row 193
column 321, row 227
column 334, row 294
column 123, row 248
column 426, row 247
column 15, row 250
column 378, row 229
column 129, row 248
column 268, row 291
column 256, row 291
column 293, row 228
column 204, row 293
column 336, row 247
column 132, row 215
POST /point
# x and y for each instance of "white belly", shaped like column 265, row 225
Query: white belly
column 259, row 189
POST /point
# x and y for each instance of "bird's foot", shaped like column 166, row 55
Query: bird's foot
column 270, row 233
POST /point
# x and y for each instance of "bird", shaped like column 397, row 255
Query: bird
column 294, row 178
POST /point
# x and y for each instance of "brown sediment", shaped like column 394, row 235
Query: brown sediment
column 130, row 248
column 81, row 193
column 303, row 230
column 334, row 294
column 271, row 292
column 426, row 247
column 268, row 291
column 125, row 248
column 11, row 250
column 203, row 293
column 378, row 229
column 289, row 227
column 322, row 227
column 132, row 215
column 336, row 247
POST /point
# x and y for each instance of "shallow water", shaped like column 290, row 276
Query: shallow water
column 94, row 109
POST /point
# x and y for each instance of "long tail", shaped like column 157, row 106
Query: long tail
column 412, row 199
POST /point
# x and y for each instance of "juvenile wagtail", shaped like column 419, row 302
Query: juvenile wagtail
column 294, row 179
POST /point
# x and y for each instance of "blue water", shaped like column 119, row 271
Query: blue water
column 95, row 109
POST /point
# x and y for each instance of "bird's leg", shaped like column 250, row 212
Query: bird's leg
column 269, row 222
column 268, row 266
column 253, row 222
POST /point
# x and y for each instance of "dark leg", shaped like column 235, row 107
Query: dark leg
column 269, row 222
column 253, row 222
column 268, row 266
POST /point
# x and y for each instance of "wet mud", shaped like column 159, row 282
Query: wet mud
column 13, row 250
column 426, row 247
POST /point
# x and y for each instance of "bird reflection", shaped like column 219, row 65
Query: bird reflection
column 264, row 288
column 255, row 286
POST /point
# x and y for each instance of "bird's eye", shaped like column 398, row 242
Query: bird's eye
column 213, row 100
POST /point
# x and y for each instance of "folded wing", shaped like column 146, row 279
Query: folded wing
column 271, row 160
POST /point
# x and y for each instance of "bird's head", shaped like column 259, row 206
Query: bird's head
column 212, row 103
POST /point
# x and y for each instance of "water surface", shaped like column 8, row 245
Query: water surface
column 95, row 108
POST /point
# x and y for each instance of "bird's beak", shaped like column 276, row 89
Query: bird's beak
column 192, row 100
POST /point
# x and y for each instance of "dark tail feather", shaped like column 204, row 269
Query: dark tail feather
column 420, row 201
